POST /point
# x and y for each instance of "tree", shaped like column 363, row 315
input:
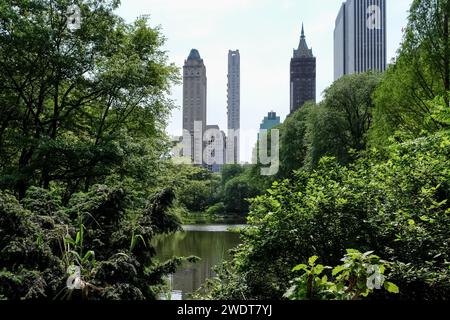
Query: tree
column 196, row 188
column 82, row 152
column 237, row 193
column 293, row 146
column 70, row 98
column 230, row 171
column 339, row 124
column 428, row 36
column 419, row 74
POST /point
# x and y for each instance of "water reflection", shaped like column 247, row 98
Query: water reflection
column 209, row 242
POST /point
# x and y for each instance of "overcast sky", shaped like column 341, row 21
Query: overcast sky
column 265, row 32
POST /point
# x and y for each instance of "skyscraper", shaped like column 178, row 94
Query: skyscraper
column 194, row 106
column 269, row 122
column 234, row 102
column 360, row 37
column 303, row 75
column 272, row 120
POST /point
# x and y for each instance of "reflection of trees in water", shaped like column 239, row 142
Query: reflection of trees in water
column 211, row 247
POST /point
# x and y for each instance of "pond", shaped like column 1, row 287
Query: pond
column 211, row 243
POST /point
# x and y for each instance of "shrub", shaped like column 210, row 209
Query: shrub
column 394, row 202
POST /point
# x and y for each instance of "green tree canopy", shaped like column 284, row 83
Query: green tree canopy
column 419, row 74
column 71, row 100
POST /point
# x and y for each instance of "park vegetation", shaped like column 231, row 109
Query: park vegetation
column 82, row 152
column 358, row 210
column 364, row 179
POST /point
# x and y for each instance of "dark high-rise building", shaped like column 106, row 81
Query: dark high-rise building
column 194, row 106
column 360, row 37
column 303, row 75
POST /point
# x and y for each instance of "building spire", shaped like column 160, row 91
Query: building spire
column 303, row 50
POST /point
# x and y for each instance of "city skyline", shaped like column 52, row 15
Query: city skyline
column 264, row 32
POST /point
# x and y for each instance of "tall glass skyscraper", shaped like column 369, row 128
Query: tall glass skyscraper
column 360, row 37
column 234, row 104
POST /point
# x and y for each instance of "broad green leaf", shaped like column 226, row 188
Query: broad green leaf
column 318, row 269
column 338, row 270
column 390, row 287
column 300, row 267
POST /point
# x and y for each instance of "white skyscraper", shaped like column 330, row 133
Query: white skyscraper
column 234, row 104
column 360, row 37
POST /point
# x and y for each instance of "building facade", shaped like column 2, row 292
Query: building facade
column 194, row 106
column 360, row 37
column 272, row 120
column 234, row 102
column 269, row 122
column 215, row 150
column 303, row 75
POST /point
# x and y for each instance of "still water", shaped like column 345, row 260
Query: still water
column 211, row 243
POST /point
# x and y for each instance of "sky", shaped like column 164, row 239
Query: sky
column 265, row 32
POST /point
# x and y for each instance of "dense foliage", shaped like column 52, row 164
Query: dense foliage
column 394, row 203
column 337, row 126
column 358, row 277
column 218, row 196
column 419, row 74
column 368, row 170
column 78, row 106
column 82, row 149
column 41, row 240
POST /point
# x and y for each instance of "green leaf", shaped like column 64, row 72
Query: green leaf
column 300, row 267
column 313, row 260
column 390, row 287
column 90, row 254
column 338, row 270
column 142, row 239
column 318, row 269
column 368, row 253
